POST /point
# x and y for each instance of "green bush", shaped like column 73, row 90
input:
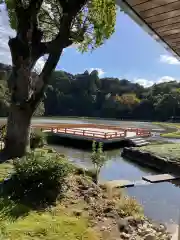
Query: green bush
column 37, row 139
column 38, row 179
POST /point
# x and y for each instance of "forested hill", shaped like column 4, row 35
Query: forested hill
column 88, row 95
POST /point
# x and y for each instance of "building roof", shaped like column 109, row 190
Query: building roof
column 160, row 18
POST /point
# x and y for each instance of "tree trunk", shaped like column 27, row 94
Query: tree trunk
column 18, row 129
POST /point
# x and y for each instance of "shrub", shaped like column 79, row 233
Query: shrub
column 37, row 139
column 87, row 172
column 38, row 179
column 130, row 207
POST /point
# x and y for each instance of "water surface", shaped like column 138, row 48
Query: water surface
column 161, row 201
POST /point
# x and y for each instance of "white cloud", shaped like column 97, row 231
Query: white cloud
column 99, row 70
column 144, row 82
column 147, row 83
column 166, row 79
column 169, row 60
column 5, row 33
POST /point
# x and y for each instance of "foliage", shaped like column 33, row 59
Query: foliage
column 38, row 179
column 37, row 139
column 110, row 98
column 91, row 26
column 98, row 158
column 105, row 97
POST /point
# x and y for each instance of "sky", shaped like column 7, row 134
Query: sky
column 130, row 53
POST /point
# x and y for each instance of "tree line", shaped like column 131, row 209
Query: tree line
column 88, row 95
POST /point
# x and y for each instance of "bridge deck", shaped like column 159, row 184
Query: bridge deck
column 103, row 133
column 160, row 178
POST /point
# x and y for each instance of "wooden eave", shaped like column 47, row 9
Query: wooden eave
column 160, row 18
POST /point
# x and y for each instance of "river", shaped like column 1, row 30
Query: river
column 161, row 201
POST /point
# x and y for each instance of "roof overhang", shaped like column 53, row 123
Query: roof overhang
column 164, row 29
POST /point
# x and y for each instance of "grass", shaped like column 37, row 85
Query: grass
column 168, row 150
column 47, row 225
column 175, row 135
column 172, row 130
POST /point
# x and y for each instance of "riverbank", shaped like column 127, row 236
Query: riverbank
column 162, row 157
column 86, row 211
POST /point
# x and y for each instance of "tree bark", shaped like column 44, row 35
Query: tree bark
column 18, row 130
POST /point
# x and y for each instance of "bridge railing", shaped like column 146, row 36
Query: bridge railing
column 100, row 134
column 89, row 133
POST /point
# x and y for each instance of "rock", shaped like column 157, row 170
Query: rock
column 86, row 208
column 73, row 202
column 111, row 214
column 103, row 228
column 162, row 228
column 147, row 231
column 122, row 223
column 123, row 226
column 125, row 235
column 108, row 209
column 150, row 237
column 77, row 213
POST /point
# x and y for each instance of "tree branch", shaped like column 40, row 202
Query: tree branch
column 49, row 66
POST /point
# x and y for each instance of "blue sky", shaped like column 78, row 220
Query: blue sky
column 130, row 53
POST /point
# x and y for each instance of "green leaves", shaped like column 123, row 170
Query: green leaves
column 94, row 23
column 98, row 157
column 99, row 20
column 11, row 13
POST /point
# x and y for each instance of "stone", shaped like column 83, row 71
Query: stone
column 125, row 235
column 77, row 213
column 110, row 215
column 150, row 237
column 162, row 228
column 123, row 226
column 103, row 228
column 108, row 209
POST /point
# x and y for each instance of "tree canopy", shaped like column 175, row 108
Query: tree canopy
column 88, row 95
column 45, row 28
column 92, row 22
